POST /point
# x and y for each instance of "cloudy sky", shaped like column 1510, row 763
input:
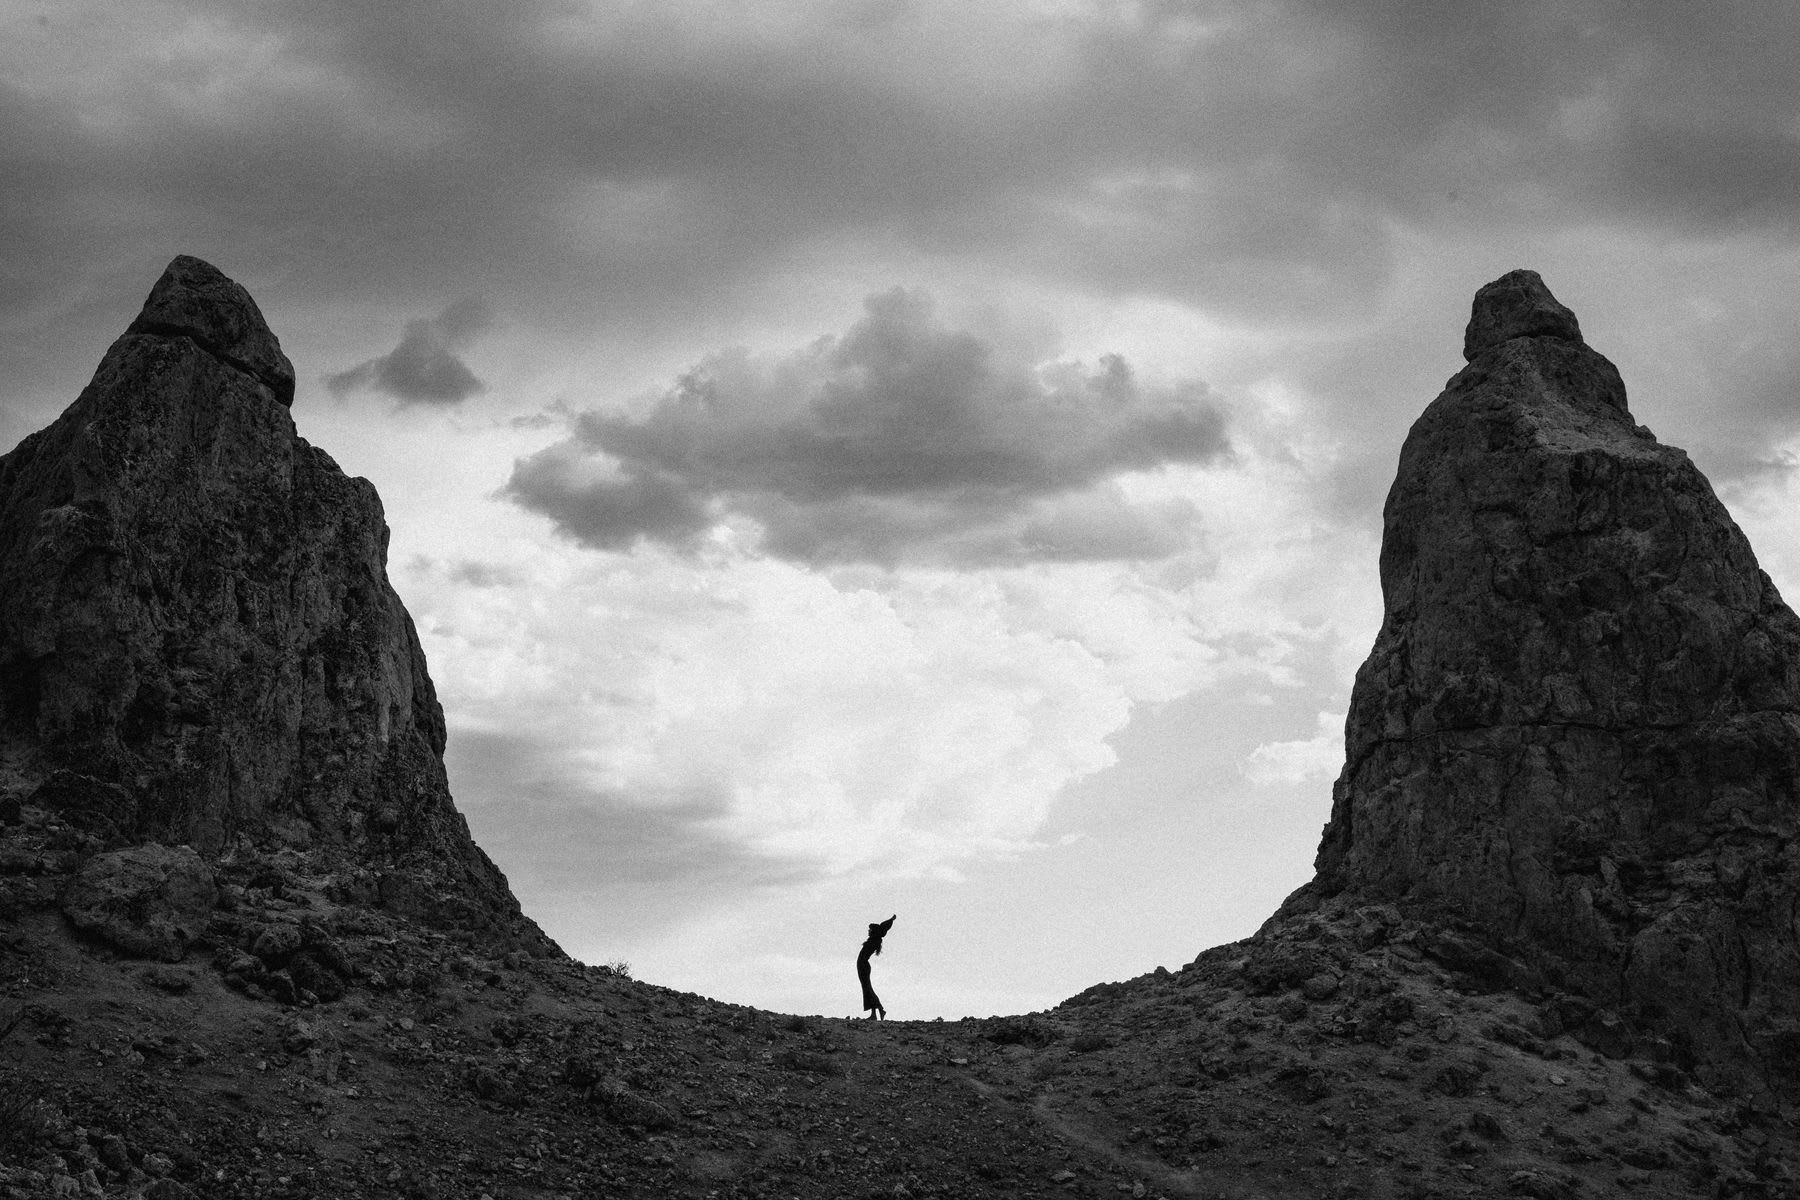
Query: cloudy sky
column 876, row 456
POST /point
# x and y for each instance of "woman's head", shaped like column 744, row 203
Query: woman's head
column 875, row 931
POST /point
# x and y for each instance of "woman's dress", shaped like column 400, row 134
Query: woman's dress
column 870, row 1001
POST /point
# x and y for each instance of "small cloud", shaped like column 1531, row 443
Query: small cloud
column 424, row 368
column 481, row 575
column 552, row 415
column 1317, row 757
column 602, row 508
column 468, row 571
column 900, row 440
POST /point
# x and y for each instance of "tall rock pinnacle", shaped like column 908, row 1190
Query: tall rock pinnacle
column 197, row 634
column 1578, row 732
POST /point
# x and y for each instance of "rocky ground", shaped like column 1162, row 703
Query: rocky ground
column 308, row 1043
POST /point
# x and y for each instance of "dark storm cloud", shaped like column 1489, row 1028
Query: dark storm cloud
column 621, row 167
column 900, row 439
column 423, row 368
column 602, row 509
column 1243, row 156
column 1556, row 114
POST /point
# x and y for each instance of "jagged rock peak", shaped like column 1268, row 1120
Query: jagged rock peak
column 198, row 640
column 194, row 299
column 1578, row 732
column 1513, row 306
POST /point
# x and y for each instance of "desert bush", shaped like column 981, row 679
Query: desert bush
column 1021, row 1031
column 24, row 1116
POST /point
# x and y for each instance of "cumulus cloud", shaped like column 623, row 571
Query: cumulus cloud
column 891, row 721
column 901, row 439
column 869, row 720
column 424, row 367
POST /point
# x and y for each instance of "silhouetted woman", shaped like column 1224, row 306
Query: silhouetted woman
column 872, row 1002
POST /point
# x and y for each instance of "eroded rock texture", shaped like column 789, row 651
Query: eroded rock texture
column 1578, row 732
column 198, row 641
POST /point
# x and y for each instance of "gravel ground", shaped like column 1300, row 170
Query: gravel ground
column 1340, row 1055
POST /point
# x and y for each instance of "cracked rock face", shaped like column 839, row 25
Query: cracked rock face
column 196, row 627
column 1578, row 732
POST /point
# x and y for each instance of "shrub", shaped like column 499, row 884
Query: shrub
column 23, row 1114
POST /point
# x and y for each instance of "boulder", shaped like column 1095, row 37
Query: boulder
column 148, row 901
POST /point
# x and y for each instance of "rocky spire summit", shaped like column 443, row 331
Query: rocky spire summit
column 194, row 299
column 1578, row 733
column 1516, row 305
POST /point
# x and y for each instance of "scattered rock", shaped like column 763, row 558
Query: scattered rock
column 489, row 1084
column 625, row 1107
column 1303, row 1082
column 1540, row 1185
column 164, row 979
column 807, row 1061
column 276, row 944
column 1020, row 1031
column 582, row 1071
column 1322, row 986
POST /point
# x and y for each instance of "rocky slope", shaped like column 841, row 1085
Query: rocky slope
column 1341, row 1055
column 198, row 643
column 1578, row 733
column 292, row 1005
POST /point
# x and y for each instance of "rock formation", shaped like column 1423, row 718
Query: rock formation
column 1578, row 733
column 198, row 642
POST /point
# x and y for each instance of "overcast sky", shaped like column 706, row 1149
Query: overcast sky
column 890, row 456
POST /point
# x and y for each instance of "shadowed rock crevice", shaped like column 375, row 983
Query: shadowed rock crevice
column 1578, row 732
